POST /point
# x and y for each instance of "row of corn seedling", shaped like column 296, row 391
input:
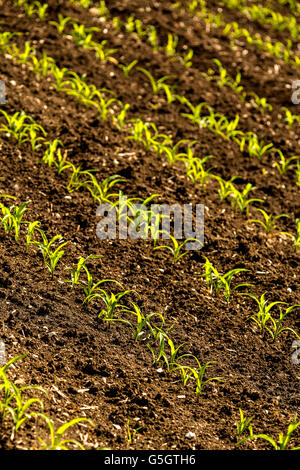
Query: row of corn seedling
column 134, row 25
column 217, row 125
column 214, row 121
column 284, row 442
column 24, row 129
column 13, row 218
column 234, row 31
column 17, row 408
column 224, row 79
column 112, row 307
column 135, row 209
column 265, row 15
column 141, row 133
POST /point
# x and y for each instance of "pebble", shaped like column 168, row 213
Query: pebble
column 2, row 353
column 190, row 435
column 94, row 11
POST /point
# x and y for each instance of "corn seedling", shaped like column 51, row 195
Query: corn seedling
column 51, row 256
column 264, row 309
column 223, row 78
column 127, row 68
column 136, row 26
column 59, row 75
column 21, row 127
column 220, row 125
column 124, row 204
column 57, row 442
column 20, row 3
column 285, row 164
column 30, row 232
column 283, row 439
column 196, row 172
column 104, row 106
column 218, row 282
column 19, row 412
column 195, row 115
column 145, row 321
column 82, row 3
column 61, row 23
column 187, row 58
column 7, row 195
column 152, row 38
column 101, row 191
column 41, row 10
column 171, row 151
column 261, row 102
column 295, row 238
column 290, row 118
column 275, row 328
column 34, row 139
column 126, row 310
column 156, row 84
column 163, row 339
column 76, row 272
column 77, row 87
column 76, row 180
column 13, row 402
column 12, row 218
column 171, row 45
column 5, row 39
column 255, row 147
column 131, row 434
column 174, row 357
column 169, row 92
column 139, row 28
column 159, row 142
column 226, row 187
column 83, row 36
column 103, row 54
column 61, row 162
column 120, row 120
column 130, row 24
column 150, row 223
column 197, row 373
column 117, row 23
column 88, row 286
column 161, row 357
column 92, row 290
column 298, row 174
column 137, row 209
column 49, row 155
column 244, row 424
column 240, row 199
column 29, row 9
column 103, row 10
column 111, row 302
column 23, row 57
column 176, row 249
column 236, row 87
column 269, row 224
column 141, row 132
column 43, row 66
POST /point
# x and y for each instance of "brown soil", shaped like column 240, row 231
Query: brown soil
column 68, row 348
